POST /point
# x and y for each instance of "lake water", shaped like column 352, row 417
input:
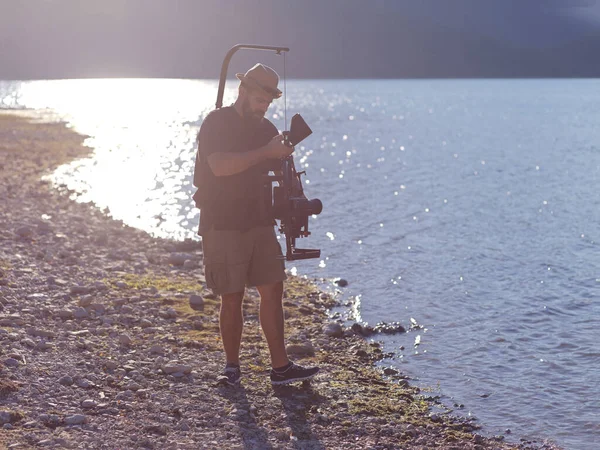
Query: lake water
column 470, row 206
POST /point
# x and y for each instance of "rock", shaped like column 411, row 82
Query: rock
column 85, row 301
column 157, row 349
column 80, row 333
column 391, row 328
column 304, row 349
column 178, row 259
column 41, row 333
column 99, row 308
column 9, row 416
column 80, row 313
column 83, row 383
column 188, row 264
column 282, row 435
column 100, row 286
column 390, row 371
column 42, row 346
column 361, row 353
column 66, row 380
column 44, row 227
column 362, row 330
column 341, row 282
column 196, row 302
column 184, row 426
column 24, row 232
column 11, row 362
column 125, row 339
column 168, row 313
column 64, row 314
column 333, row 329
column 172, row 368
column 57, row 281
column 89, row 403
column 77, row 290
column 145, row 323
column 28, row 342
column 111, row 365
column 76, row 419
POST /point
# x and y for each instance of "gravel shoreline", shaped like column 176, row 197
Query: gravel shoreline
column 109, row 339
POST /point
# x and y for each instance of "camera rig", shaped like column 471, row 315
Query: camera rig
column 288, row 202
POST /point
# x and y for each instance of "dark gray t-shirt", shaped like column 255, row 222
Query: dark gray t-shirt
column 240, row 201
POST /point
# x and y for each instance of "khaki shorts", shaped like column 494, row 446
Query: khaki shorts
column 235, row 259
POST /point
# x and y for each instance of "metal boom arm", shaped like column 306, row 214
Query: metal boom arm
column 228, row 56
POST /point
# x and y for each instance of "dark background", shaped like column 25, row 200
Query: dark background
column 328, row 38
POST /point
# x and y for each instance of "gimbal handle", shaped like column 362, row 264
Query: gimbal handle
column 228, row 56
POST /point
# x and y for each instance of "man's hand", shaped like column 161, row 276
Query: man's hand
column 276, row 149
column 223, row 164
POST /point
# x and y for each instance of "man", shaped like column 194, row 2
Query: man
column 237, row 147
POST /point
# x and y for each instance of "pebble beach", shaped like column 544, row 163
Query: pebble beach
column 109, row 339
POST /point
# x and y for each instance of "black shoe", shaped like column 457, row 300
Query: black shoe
column 232, row 375
column 293, row 373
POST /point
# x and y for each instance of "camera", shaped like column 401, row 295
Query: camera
column 289, row 204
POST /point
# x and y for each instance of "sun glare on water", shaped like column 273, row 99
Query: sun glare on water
column 142, row 132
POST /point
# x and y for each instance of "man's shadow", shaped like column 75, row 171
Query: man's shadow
column 298, row 402
column 253, row 436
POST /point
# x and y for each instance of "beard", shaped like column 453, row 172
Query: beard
column 251, row 116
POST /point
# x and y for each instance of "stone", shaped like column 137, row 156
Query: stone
column 42, row 346
column 168, row 313
column 9, row 416
column 178, row 259
column 157, row 349
column 364, row 331
column 172, row 368
column 64, row 314
column 100, row 286
column 125, row 339
column 188, row 264
column 333, row 329
column 76, row 419
column 37, row 297
column 85, row 301
column 24, row 232
column 111, row 365
column 11, row 362
column 89, row 403
column 80, row 313
column 304, row 349
column 77, row 290
column 66, row 380
column 196, row 302
column 83, row 383
column 41, row 333
column 28, row 342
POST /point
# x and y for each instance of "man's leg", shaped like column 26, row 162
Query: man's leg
column 231, row 323
column 272, row 321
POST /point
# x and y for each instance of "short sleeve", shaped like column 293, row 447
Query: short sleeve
column 212, row 135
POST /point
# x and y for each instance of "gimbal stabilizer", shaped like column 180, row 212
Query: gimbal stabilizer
column 290, row 205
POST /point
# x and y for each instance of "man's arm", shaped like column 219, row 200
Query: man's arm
column 230, row 163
